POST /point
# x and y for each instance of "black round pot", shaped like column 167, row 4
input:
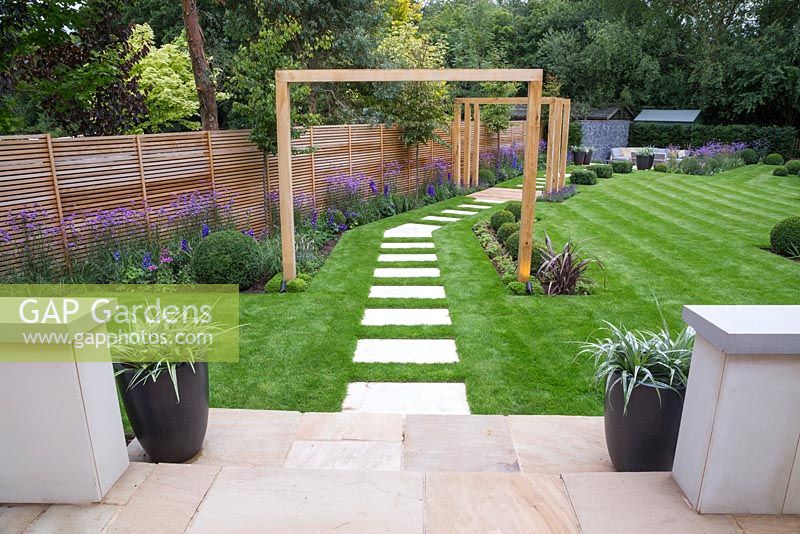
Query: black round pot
column 587, row 157
column 168, row 430
column 578, row 156
column 644, row 437
column 644, row 162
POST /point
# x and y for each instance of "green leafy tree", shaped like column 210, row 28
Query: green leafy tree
column 496, row 118
column 165, row 78
column 418, row 108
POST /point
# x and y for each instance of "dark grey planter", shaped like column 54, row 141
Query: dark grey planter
column 644, row 438
column 169, row 431
column 587, row 157
column 578, row 156
column 644, row 162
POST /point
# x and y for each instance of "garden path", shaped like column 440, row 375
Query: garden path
column 429, row 310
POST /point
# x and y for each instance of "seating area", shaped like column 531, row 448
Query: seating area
column 660, row 155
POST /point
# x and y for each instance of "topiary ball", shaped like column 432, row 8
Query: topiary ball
column 780, row 171
column 660, row 167
column 500, row 218
column 516, row 288
column 506, row 230
column 227, row 257
column 622, row 167
column 773, row 159
column 486, row 176
column 785, row 237
column 602, row 170
column 297, row 285
column 512, row 244
column 274, row 284
column 583, row 177
column 749, row 156
column 515, row 207
column 793, row 166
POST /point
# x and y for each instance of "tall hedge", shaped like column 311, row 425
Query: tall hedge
column 779, row 139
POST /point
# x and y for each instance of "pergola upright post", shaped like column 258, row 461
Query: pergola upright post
column 529, row 181
column 467, row 143
column 456, row 143
column 562, row 163
column 551, row 166
column 283, row 122
column 476, row 133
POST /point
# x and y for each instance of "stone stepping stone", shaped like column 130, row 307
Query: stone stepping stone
column 440, row 219
column 406, row 317
column 406, row 257
column 405, row 351
column 406, row 272
column 406, row 398
column 474, row 206
column 490, row 201
column 459, row 212
column 406, row 292
column 407, row 245
column 411, row 230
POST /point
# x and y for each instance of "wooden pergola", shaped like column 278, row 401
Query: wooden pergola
column 464, row 146
column 533, row 78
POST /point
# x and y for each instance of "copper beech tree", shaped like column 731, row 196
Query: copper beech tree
column 203, row 77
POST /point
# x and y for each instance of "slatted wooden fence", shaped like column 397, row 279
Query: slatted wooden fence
column 73, row 176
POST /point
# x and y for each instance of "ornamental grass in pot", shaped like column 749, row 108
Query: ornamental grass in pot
column 645, row 376
column 164, row 388
column 645, row 158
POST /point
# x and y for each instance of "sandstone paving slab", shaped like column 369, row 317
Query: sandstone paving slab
column 241, row 437
column 15, row 518
column 257, row 500
column 411, row 230
column 560, row 444
column 459, row 212
column 166, row 500
column 350, row 426
column 407, row 245
column 121, row 492
column 474, row 206
column 768, row 524
column 652, row 503
column 406, row 398
column 490, row 200
column 405, row 351
column 406, row 292
column 345, row 454
column 406, row 316
column 71, row 519
column 474, row 443
column 440, row 218
column 406, row 257
column 406, row 272
column 497, row 502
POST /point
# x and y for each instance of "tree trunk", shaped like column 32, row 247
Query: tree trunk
column 202, row 71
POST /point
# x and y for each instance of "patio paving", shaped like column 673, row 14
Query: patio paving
column 444, row 478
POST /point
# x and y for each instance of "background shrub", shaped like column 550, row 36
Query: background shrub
column 780, row 171
column 583, row 177
column 793, row 166
column 749, row 156
column 512, row 245
column 506, row 230
column 773, row 159
column 298, row 285
column 660, row 167
column 621, row 167
column 602, row 170
column 771, row 138
column 274, row 284
column 500, row 218
column 515, row 207
column 516, row 288
column 486, row 176
column 785, row 237
column 227, row 257
column 691, row 165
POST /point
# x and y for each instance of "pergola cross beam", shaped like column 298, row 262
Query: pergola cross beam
column 533, row 78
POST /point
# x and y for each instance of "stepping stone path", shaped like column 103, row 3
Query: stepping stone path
column 410, row 397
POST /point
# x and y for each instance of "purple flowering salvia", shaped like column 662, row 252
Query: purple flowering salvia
column 205, row 231
column 147, row 261
column 373, row 187
column 250, row 232
column 385, row 190
column 314, row 218
column 185, row 246
column 117, row 255
column 431, row 191
column 166, row 257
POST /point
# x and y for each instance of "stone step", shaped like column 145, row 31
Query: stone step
column 474, row 206
column 406, row 398
column 386, row 258
column 440, row 219
column 405, row 351
column 406, row 245
column 459, row 212
column 406, row 292
column 406, row 316
column 411, row 230
column 406, row 272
